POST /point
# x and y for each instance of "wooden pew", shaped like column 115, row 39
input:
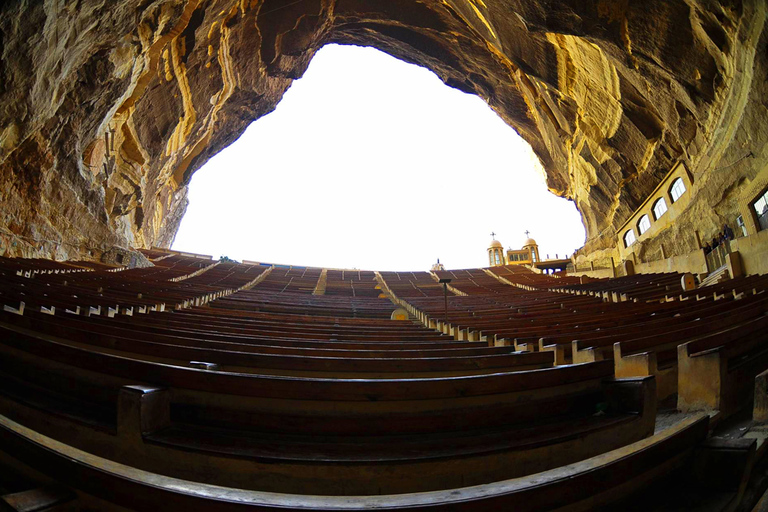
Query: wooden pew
column 601, row 482
column 298, row 338
column 260, row 344
column 337, row 435
column 657, row 354
column 658, row 331
column 717, row 372
column 348, row 364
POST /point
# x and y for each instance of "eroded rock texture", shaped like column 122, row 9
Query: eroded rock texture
column 108, row 107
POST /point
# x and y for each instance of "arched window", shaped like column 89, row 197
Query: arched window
column 498, row 260
column 644, row 224
column 659, row 208
column 677, row 189
column 629, row 238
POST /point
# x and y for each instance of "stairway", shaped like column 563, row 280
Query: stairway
column 321, row 282
column 718, row 276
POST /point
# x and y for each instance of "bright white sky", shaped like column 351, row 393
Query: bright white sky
column 372, row 163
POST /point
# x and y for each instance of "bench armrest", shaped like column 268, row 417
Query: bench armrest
column 632, row 395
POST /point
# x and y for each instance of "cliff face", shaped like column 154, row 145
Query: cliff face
column 107, row 108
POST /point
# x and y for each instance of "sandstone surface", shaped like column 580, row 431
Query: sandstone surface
column 108, row 107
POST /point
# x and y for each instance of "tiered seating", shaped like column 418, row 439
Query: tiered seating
column 261, row 394
column 283, row 395
column 642, row 334
column 718, row 367
column 324, row 305
column 176, row 281
column 352, row 283
column 30, row 267
column 284, row 290
column 523, row 276
column 291, row 279
column 737, row 288
column 413, row 284
column 615, row 479
column 261, row 345
column 505, row 311
column 473, row 281
column 653, row 350
column 227, row 275
column 223, row 414
column 155, row 254
column 639, row 287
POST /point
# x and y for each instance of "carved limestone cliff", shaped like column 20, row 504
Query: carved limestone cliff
column 107, row 108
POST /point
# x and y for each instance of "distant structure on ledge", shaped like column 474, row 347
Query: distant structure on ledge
column 527, row 255
column 437, row 266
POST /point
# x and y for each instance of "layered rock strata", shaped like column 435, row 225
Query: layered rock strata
column 107, row 108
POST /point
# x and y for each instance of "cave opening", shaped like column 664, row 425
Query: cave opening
column 371, row 162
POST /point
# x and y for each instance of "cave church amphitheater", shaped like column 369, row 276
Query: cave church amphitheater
column 215, row 385
column 632, row 378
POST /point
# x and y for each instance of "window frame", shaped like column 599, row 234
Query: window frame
column 659, row 201
column 674, row 188
column 640, row 229
column 741, row 226
column 628, row 232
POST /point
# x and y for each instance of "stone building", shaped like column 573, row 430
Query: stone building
column 527, row 255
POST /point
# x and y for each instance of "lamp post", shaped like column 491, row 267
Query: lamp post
column 445, row 282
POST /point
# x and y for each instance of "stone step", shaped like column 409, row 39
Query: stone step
column 49, row 499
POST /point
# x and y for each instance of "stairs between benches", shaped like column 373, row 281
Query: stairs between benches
column 321, row 283
column 718, row 276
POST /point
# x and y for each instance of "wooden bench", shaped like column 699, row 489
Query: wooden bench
column 717, row 372
column 329, row 429
column 656, row 354
column 257, row 336
column 599, row 482
column 684, row 320
column 385, row 364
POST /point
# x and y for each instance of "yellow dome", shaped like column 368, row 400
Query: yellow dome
column 495, row 244
column 530, row 241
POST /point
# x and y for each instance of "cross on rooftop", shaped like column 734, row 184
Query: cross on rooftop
column 493, row 235
column 527, row 233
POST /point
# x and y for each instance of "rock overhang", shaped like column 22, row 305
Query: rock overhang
column 107, row 110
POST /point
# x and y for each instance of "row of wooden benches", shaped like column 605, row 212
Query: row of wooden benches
column 123, row 292
column 642, row 337
column 501, row 424
column 299, row 396
column 413, row 284
column 653, row 474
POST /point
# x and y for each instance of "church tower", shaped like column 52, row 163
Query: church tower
column 533, row 248
column 496, row 253
column 527, row 255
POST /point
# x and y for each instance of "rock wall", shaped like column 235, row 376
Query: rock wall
column 107, row 108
